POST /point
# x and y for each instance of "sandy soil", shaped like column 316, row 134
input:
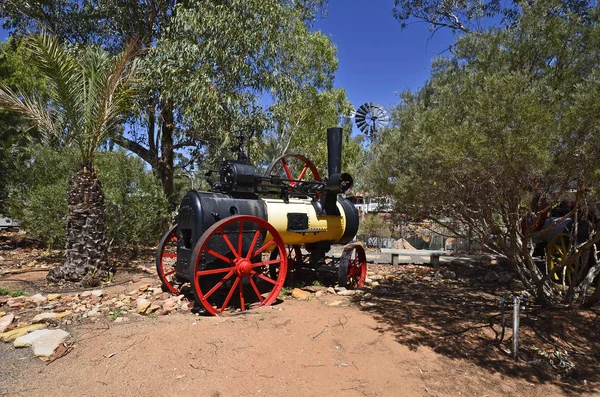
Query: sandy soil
column 296, row 348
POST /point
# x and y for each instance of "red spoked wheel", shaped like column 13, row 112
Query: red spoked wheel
column 294, row 256
column 229, row 269
column 353, row 267
column 289, row 165
column 166, row 259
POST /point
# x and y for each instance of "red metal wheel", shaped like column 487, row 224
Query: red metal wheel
column 166, row 259
column 238, row 271
column 287, row 165
column 353, row 267
column 294, row 256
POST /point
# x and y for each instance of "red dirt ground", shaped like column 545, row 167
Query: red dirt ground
column 417, row 337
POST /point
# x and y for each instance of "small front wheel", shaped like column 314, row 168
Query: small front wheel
column 352, row 272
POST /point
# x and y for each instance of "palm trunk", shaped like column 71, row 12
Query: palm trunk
column 86, row 254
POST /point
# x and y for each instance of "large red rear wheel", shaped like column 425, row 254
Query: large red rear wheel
column 237, row 275
column 294, row 167
column 352, row 272
column 166, row 258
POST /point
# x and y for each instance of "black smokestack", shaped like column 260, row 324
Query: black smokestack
column 334, row 151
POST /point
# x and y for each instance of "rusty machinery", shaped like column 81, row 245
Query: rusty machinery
column 238, row 244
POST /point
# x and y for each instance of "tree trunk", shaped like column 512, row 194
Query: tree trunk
column 165, row 163
column 86, row 254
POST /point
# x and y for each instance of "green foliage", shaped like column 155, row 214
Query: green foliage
column 86, row 92
column 301, row 123
column 15, row 69
column 136, row 209
column 374, row 225
column 7, row 292
column 511, row 117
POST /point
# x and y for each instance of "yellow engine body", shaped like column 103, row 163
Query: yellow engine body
column 320, row 227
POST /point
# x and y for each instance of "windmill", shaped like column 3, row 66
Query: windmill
column 370, row 118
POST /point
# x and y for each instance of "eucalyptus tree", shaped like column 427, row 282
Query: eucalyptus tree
column 87, row 94
column 207, row 64
column 504, row 130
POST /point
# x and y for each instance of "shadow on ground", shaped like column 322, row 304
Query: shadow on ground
column 462, row 319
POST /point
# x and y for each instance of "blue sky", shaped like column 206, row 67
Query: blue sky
column 376, row 57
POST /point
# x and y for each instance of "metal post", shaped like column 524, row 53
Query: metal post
column 516, row 308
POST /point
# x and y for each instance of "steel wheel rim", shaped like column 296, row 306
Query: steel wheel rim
column 166, row 275
column 353, row 267
column 240, row 268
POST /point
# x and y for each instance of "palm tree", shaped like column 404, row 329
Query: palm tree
column 88, row 90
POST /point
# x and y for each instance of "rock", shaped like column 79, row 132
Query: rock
column 331, row 290
column 121, row 319
column 38, row 299
column 43, row 342
column 339, row 289
column 5, row 321
column 153, row 307
column 300, row 294
column 53, row 297
column 335, row 303
column 86, row 294
column 15, row 333
column 375, row 284
column 314, row 288
column 186, row 306
column 43, row 317
column 2, row 314
column 377, row 277
column 368, row 281
column 97, row 292
column 169, row 306
column 349, row 292
column 136, row 279
column 505, row 278
column 491, row 276
column 164, row 295
column 427, row 278
column 93, row 313
column 142, row 305
column 144, row 288
column 318, row 294
column 449, row 274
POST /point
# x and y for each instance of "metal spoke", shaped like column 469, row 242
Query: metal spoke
column 269, row 262
column 264, row 247
column 240, row 237
column 235, row 253
column 287, row 170
column 218, row 285
column 230, row 294
column 171, row 272
column 217, row 255
column 302, row 173
column 254, row 240
column 242, row 304
column 255, row 288
column 267, row 279
column 214, row 271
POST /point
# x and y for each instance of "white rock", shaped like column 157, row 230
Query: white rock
column 97, row 292
column 6, row 321
column 38, row 299
column 375, row 284
column 348, row 292
column 339, row 289
column 43, row 342
column 43, row 317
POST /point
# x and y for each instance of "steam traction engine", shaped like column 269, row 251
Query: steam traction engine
column 238, row 244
